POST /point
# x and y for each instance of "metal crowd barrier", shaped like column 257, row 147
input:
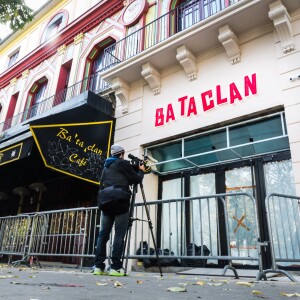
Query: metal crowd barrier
column 70, row 233
column 283, row 216
column 196, row 221
column 226, row 224
column 15, row 234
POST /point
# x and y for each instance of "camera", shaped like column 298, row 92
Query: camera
column 137, row 162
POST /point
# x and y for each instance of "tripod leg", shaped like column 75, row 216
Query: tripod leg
column 128, row 232
column 151, row 228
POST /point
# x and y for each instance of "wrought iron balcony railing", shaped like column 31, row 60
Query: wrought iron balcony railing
column 92, row 83
column 182, row 17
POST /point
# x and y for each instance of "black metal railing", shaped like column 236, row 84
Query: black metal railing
column 180, row 18
column 92, row 83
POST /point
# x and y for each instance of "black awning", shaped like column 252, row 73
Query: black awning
column 16, row 151
column 77, row 149
column 76, row 141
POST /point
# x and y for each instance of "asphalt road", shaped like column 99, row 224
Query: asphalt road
column 43, row 284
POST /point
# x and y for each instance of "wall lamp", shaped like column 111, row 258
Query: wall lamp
column 295, row 78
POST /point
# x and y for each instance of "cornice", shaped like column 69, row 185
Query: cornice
column 83, row 24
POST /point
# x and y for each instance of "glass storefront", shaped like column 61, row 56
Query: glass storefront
column 251, row 157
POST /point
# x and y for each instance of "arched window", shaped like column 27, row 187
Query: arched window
column 36, row 96
column 56, row 24
column 96, row 62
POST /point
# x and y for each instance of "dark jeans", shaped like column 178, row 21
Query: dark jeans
column 121, row 224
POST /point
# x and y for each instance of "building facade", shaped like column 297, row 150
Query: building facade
column 207, row 88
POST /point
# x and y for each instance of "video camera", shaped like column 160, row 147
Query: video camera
column 136, row 162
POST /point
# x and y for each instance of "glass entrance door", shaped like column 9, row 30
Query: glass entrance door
column 242, row 213
column 284, row 216
column 199, row 221
column 173, row 233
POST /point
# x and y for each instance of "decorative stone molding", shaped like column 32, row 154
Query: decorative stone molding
column 152, row 76
column 282, row 22
column 25, row 73
column 61, row 50
column 188, row 62
column 231, row 44
column 14, row 81
column 78, row 38
column 121, row 89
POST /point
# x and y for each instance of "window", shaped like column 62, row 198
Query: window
column 190, row 12
column 9, row 120
column 252, row 138
column 54, row 26
column 13, row 58
column 35, row 101
column 62, row 91
column 96, row 63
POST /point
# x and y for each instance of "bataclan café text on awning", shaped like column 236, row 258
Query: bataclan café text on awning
column 73, row 138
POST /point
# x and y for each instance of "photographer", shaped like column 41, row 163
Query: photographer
column 119, row 173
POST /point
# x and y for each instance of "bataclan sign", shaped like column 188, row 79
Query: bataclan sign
column 78, row 149
column 188, row 106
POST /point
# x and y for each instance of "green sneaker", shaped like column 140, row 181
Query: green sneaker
column 98, row 271
column 119, row 272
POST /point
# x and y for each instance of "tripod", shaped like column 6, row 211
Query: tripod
column 129, row 227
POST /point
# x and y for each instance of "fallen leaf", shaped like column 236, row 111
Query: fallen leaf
column 100, row 283
column 183, row 284
column 244, row 283
column 139, row 281
column 200, row 283
column 220, row 280
column 255, row 292
column 17, row 282
column 176, row 289
column 118, row 284
column 289, row 295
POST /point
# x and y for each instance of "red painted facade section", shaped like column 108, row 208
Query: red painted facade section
column 85, row 23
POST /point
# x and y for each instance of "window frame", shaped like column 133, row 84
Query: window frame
column 31, row 98
column 89, row 69
column 59, row 21
column 13, row 58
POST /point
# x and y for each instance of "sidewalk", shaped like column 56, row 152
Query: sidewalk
column 58, row 283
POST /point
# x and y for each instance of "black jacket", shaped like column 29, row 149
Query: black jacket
column 119, row 173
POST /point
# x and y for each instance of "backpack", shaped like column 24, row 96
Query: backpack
column 194, row 250
column 164, row 261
